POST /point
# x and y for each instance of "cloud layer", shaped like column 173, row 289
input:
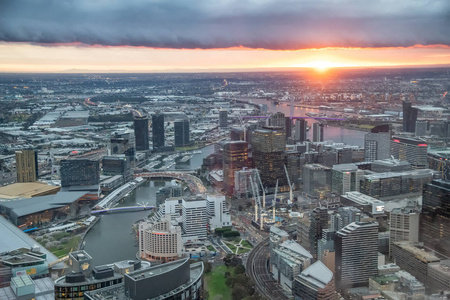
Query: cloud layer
column 207, row 24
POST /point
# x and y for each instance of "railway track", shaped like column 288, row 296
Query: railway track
column 257, row 270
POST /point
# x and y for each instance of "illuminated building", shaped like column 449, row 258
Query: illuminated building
column 356, row 254
column 158, row 131
column 268, row 149
column 413, row 150
column 141, row 133
column 26, row 166
column 315, row 282
column 318, row 132
column 345, row 178
column 377, row 143
column 160, row 240
column 181, row 132
column 170, row 281
column 235, row 158
column 223, row 118
column 409, row 117
column 435, row 217
column 316, row 180
column 365, row 203
column 84, row 277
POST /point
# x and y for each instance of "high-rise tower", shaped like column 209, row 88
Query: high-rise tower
column 26, row 166
column 158, row 131
column 141, row 133
column 181, row 131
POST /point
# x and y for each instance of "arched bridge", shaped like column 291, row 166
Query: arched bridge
column 195, row 184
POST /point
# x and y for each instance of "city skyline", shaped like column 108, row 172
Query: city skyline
column 155, row 36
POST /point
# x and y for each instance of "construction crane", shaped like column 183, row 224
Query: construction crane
column 255, row 197
column 262, row 188
column 274, row 202
column 290, row 185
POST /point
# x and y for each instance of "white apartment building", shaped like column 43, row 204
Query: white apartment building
column 217, row 212
column 194, row 219
column 160, row 240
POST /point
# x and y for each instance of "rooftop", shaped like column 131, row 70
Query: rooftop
column 296, row 247
column 13, row 238
column 418, row 253
column 27, row 190
column 317, row 274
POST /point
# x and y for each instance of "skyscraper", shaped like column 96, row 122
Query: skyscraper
column 181, row 128
column 268, row 149
column 435, row 217
column 235, row 157
column 316, row 179
column 123, row 143
column 377, row 143
column 300, row 130
column 158, row 130
column 141, row 133
column 26, row 166
column 223, row 118
column 78, row 172
column 318, row 132
column 318, row 221
column 409, row 117
column 288, row 126
column 413, row 150
column 356, row 254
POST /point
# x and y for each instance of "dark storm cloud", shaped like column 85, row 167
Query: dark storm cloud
column 269, row 24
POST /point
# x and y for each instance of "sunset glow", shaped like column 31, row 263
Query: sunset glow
column 22, row 57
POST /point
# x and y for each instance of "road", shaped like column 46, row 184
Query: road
column 256, row 269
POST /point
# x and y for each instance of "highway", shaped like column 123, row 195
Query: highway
column 257, row 270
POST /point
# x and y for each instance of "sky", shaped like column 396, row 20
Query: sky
column 179, row 35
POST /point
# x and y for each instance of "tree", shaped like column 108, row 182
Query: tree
column 208, row 267
column 240, row 269
column 238, row 292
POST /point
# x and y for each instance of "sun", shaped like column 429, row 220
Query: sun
column 321, row 65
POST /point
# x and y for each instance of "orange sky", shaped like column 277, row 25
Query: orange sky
column 22, row 57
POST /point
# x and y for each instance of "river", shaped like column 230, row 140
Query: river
column 111, row 239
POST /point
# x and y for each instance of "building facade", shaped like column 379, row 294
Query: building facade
column 301, row 127
column 377, row 143
column 409, row 117
column 345, row 178
column 318, row 132
column 181, row 132
column 435, row 217
column 26, row 166
column 235, row 158
column 223, row 118
column 141, row 133
column 315, row 282
column 158, row 131
column 316, row 180
column 78, row 172
column 356, row 254
column 268, row 149
column 413, row 150
column 160, row 240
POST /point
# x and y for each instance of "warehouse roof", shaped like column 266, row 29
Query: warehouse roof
column 27, row 190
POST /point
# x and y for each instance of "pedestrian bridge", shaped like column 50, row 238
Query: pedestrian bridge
column 122, row 209
column 195, row 184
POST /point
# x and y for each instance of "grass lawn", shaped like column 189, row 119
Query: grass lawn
column 211, row 248
column 71, row 245
column 243, row 250
column 232, row 247
column 246, row 244
column 215, row 283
